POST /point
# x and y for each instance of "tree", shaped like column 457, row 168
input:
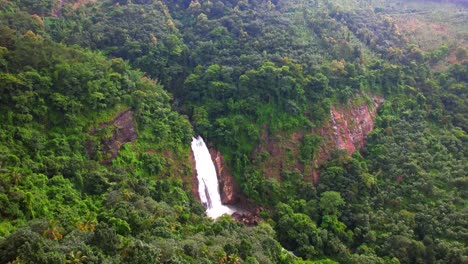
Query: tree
column 331, row 203
column 460, row 53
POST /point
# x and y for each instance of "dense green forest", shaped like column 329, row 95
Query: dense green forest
column 99, row 101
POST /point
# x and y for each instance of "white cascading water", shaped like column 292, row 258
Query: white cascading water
column 208, row 187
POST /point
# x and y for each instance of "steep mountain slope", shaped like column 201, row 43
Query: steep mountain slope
column 95, row 164
column 92, row 159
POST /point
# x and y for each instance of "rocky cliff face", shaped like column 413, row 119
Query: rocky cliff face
column 228, row 187
column 346, row 129
column 277, row 152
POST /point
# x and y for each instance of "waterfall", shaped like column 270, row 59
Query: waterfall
column 208, row 187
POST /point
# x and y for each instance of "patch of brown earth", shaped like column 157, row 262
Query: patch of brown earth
column 429, row 35
column 409, row 24
column 347, row 129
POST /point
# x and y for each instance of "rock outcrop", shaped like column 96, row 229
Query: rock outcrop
column 346, row 129
column 249, row 218
column 123, row 130
column 228, row 187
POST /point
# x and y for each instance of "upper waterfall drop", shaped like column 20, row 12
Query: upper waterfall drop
column 208, row 186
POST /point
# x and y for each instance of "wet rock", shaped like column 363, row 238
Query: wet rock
column 248, row 218
column 348, row 128
column 228, row 187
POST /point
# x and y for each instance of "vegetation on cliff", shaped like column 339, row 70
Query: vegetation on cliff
column 94, row 154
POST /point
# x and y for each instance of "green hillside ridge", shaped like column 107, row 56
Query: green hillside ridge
column 239, row 73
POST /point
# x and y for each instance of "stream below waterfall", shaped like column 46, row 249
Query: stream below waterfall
column 208, row 187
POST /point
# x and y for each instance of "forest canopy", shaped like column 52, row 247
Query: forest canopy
column 100, row 99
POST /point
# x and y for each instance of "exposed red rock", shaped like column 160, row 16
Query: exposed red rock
column 347, row 129
column 279, row 148
column 228, row 187
column 230, row 191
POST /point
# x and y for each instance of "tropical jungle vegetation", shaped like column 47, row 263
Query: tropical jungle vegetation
column 77, row 76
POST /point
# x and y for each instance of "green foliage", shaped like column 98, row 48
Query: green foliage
column 309, row 147
column 330, row 202
column 245, row 73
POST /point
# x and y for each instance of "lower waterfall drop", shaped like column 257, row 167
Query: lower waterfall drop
column 208, row 186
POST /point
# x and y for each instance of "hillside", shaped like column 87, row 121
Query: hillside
column 341, row 125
